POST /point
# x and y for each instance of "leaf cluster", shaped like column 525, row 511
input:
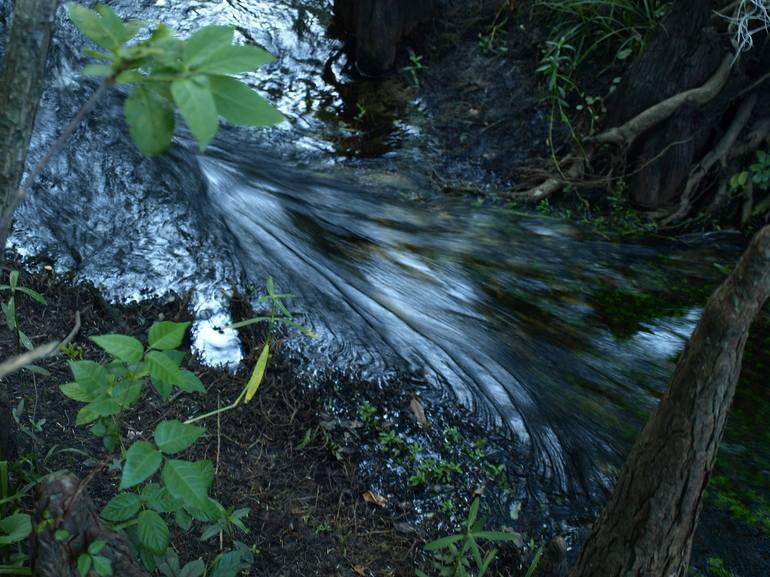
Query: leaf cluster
column 461, row 555
column 193, row 75
column 155, row 484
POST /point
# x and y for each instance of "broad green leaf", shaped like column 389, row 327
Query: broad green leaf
column 159, row 499
column 93, row 25
column 183, row 519
column 13, row 279
column 95, row 547
column 166, row 335
column 191, row 383
column 15, row 528
column 113, row 24
column 127, row 392
column 227, row 565
column 206, row 42
column 188, row 481
column 102, row 566
column 259, row 372
column 196, row 104
column 152, row 532
column 142, row 460
column 234, row 59
column 163, row 371
column 129, row 77
column 9, row 311
column 122, row 507
column 175, row 436
column 193, row 569
column 91, row 376
column 32, row 294
column 239, row 104
column 121, row 347
column 497, row 535
column 176, row 356
column 164, row 389
column 96, row 409
column 150, row 119
column 84, row 564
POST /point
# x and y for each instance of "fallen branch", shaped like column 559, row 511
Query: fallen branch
column 18, row 362
column 656, row 114
column 719, row 154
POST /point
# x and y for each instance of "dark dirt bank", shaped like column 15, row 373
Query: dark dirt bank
column 307, row 517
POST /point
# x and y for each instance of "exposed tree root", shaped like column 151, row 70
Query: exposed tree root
column 552, row 185
column 719, row 154
column 62, row 503
column 656, row 114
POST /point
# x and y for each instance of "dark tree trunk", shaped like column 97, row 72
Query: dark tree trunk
column 21, row 84
column 62, row 503
column 684, row 52
column 647, row 527
column 378, row 27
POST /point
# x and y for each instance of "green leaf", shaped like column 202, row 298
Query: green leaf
column 15, row 528
column 193, row 569
column 98, row 70
column 95, row 547
column 25, row 340
column 150, row 119
column 234, row 59
column 152, row 532
column 227, row 565
column 259, row 372
column 188, row 481
column 96, row 409
column 9, row 311
column 183, row 519
column 159, row 499
column 123, row 347
column 142, row 460
column 91, row 376
column 206, row 42
column 13, row 278
column 93, row 25
column 191, row 383
column 84, row 564
column 239, row 104
column 195, row 102
column 127, row 392
column 444, row 542
column 32, row 294
column 102, row 566
column 166, row 335
column 163, row 371
column 122, row 507
column 174, row 436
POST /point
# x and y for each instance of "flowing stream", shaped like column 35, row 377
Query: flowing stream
column 560, row 336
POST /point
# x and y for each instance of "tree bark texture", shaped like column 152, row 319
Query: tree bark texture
column 21, row 84
column 683, row 54
column 647, row 527
column 61, row 502
column 378, row 27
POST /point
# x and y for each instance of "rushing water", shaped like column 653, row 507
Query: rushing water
column 563, row 338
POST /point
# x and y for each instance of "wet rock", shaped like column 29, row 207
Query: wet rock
column 378, row 27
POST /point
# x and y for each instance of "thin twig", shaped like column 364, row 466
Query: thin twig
column 18, row 362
